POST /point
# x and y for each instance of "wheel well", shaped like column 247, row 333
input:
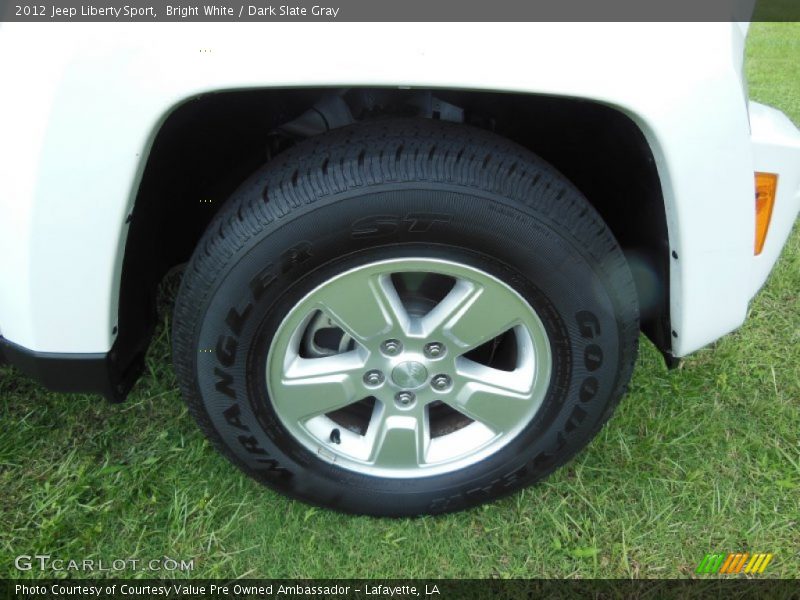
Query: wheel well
column 209, row 144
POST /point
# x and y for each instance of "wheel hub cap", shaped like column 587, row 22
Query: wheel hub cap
column 410, row 375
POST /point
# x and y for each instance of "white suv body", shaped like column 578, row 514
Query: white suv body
column 83, row 104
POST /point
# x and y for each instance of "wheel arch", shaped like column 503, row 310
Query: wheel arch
column 205, row 146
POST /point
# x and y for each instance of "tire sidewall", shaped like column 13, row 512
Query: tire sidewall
column 282, row 262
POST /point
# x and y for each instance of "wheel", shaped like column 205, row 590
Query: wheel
column 404, row 317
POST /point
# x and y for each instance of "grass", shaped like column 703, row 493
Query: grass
column 702, row 459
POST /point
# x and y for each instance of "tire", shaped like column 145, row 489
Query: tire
column 323, row 255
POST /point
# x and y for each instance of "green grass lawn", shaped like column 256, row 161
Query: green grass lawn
column 702, row 459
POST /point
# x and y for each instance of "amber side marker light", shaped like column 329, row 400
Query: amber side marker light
column 766, row 186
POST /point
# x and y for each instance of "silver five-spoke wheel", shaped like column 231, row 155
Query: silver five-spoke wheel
column 408, row 367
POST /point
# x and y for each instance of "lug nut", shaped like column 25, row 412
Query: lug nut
column 404, row 398
column 441, row 382
column 434, row 350
column 391, row 347
column 373, row 377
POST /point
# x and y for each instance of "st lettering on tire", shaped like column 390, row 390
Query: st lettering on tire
column 404, row 317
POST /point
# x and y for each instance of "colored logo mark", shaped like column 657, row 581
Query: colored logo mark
column 731, row 564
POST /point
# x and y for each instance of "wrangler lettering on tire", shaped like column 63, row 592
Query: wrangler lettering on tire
column 416, row 318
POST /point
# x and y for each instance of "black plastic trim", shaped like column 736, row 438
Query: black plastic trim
column 96, row 373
